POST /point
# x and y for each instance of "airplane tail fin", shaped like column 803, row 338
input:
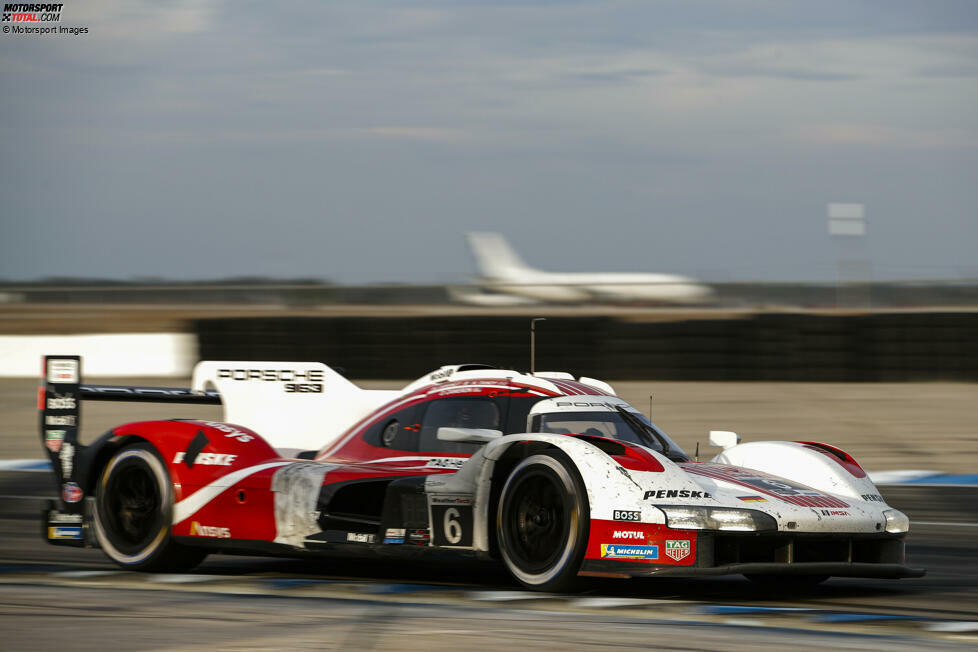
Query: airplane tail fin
column 495, row 258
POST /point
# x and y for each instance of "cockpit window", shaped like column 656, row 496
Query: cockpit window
column 612, row 425
column 459, row 413
column 583, row 423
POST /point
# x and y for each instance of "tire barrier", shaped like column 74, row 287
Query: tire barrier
column 765, row 346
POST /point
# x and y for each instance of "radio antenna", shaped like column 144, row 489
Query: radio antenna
column 533, row 343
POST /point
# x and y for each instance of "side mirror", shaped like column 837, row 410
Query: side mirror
column 469, row 435
column 724, row 439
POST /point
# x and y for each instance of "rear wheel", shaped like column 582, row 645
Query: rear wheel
column 542, row 522
column 133, row 511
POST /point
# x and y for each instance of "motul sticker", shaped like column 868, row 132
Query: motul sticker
column 627, row 534
column 677, row 549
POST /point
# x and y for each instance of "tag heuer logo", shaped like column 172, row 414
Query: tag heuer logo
column 677, row 550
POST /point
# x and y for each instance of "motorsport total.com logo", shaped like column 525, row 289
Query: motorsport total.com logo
column 32, row 13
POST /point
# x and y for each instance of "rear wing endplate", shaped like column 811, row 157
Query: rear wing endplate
column 59, row 401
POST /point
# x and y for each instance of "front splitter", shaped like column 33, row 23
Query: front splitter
column 607, row 568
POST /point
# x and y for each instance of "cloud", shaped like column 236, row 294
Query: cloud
column 144, row 20
column 430, row 134
column 949, row 70
column 673, row 118
column 124, row 138
column 879, row 135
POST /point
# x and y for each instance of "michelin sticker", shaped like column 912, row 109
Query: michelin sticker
column 617, row 551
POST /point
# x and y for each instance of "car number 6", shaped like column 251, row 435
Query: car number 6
column 453, row 529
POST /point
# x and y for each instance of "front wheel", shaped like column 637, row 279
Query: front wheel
column 543, row 521
column 133, row 510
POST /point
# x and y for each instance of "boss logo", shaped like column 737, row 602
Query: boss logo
column 627, row 515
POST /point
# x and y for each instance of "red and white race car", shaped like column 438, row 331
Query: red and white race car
column 555, row 476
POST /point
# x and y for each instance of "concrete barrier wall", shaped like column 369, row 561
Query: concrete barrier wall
column 119, row 354
column 798, row 347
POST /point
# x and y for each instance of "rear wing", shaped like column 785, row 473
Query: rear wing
column 294, row 406
column 59, row 402
column 60, row 395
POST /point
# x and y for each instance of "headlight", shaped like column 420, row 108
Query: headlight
column 896, row 522
column 718, row 518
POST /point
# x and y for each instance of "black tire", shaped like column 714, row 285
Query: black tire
column 787, row 582
column 133, row 513
column 543, row 521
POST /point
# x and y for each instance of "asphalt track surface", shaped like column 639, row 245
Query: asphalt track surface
column 74, row 599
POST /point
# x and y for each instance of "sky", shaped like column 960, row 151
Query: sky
column 359, row 141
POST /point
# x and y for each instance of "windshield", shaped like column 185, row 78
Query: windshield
column 632, row 427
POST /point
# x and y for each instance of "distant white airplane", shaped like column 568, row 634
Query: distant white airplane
column 513, row 282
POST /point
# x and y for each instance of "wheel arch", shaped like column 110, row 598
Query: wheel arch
column 500, row 471
column 594, row 466
column 97, row 456
column 174, row 439
column 817, row 465
column 542, row 520
column 142, row 541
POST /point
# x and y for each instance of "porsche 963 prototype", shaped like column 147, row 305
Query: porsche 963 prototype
column 557, row 477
